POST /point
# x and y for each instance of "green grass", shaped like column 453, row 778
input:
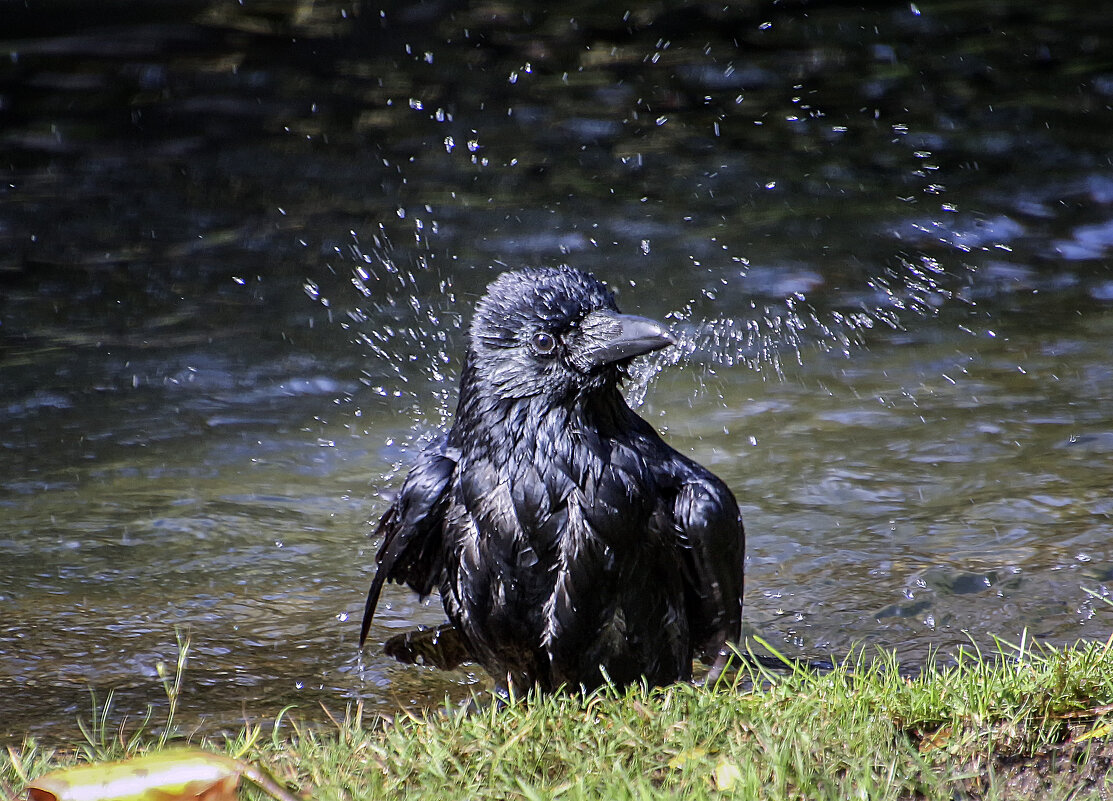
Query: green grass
column 1026, row 724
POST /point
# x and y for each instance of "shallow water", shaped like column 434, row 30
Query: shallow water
column 239, row 247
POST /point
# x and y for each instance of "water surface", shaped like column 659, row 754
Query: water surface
column 240, row 245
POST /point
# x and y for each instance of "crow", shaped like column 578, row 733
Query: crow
column 571, row 546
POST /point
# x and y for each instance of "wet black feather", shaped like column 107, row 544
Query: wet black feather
column 568, row 541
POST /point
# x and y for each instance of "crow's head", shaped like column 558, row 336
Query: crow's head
column 555, row 332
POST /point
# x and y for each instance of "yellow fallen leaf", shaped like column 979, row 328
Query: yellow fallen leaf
column 1097, row 731
column 727, row 775
column 684, row 757
column 173, row 775
column 940, row 738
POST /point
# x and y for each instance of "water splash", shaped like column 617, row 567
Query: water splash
column 408, row 320
column 769, row 336
column 404, row 317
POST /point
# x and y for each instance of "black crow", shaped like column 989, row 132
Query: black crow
column 569, row 543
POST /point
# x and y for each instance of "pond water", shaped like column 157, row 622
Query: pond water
column 240, row 244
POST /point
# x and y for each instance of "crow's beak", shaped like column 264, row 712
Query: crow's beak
column 611, row 337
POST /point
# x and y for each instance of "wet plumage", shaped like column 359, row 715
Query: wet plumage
column 569, row 543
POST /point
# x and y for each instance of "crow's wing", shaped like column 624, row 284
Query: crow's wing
column 412, row 546
column 713, row 543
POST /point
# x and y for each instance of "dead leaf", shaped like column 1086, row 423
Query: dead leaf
column 177, row 774
column 727, row 775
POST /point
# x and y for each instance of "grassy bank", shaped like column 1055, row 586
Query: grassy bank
column 1030, row 726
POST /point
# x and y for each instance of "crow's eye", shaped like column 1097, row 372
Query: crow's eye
column 544, row 343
